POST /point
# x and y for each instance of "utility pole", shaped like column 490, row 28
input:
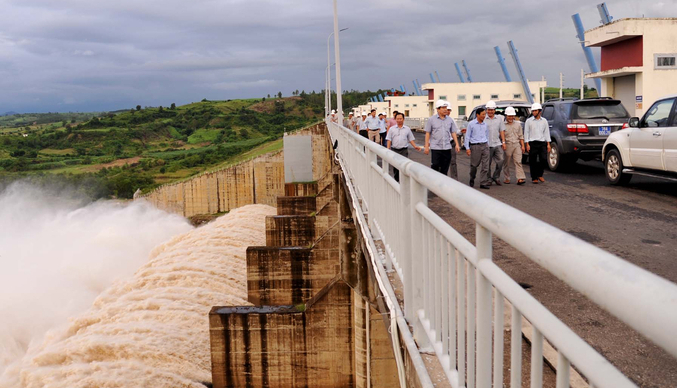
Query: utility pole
column 337, row 58
column 543, row 90
column 561, row 84
column 582, row 84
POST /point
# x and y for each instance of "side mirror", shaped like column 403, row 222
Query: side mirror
column 633, row 122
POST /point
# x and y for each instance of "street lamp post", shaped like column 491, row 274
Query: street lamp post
column 327, row 89
column 337, row 55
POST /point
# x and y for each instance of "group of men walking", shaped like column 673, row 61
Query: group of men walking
column 491, row 140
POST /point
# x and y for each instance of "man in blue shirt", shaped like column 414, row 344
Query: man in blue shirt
column 476, row 144
column 440, row 131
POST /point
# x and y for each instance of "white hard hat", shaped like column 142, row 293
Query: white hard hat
column 382, row 113
column 536, row 106
column 447, row 104
column 440, row 103
column 333, row 112
column 350, row 113
column 510, row 111
column 491, row 104
column 364, row 113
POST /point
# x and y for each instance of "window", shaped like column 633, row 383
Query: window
column 494, row 96
column 443, row 97
column 397, row 105
column 658, row 115
column 665, row 61
column 548, row 112
column 415, row 105
column 461, row 111
column 517, row 96
column 461, row 97
column 406, row 105
column 476, row 97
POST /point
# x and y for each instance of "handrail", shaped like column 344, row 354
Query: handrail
column 436, row 279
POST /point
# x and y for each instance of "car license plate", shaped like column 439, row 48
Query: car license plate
column 604, row 131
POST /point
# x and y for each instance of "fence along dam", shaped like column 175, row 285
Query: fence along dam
column 309, row 280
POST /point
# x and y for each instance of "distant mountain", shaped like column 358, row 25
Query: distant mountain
column 9, row 113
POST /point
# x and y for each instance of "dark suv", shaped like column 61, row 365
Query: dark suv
column 579, row 128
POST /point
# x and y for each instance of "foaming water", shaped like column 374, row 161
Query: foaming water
column 152, row 329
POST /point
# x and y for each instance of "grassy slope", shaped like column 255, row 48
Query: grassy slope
column 162, row 145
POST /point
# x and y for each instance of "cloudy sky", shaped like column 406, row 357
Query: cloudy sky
column 84, row 55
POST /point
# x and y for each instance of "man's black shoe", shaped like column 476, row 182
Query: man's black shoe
column 497, row 182
column 484, row 187
column 471, row 184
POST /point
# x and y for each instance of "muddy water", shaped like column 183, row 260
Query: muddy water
column 152, row 330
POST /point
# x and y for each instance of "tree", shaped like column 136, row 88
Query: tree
column 160, row 109
column 279, row 94
column 173, row 106
column 268, row 95
column 138, row 107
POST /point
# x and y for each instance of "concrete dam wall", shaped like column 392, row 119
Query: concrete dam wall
column 257, row 181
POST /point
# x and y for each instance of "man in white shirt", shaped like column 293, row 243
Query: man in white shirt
column 398, row 138
column 383, row 129
column 362, row 125
column 537, row 139
column 373, row 126
column 496, row 125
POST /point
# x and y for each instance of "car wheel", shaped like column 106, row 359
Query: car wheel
column 613, row 168
column 557, row 161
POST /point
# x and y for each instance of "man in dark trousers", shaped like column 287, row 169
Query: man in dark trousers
column 399, row 137
column 439, row 132
column 477, row 147
column 537, row 138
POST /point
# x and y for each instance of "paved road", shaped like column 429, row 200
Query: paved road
column 637, row 223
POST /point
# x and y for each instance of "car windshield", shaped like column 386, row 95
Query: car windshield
column 612, row 110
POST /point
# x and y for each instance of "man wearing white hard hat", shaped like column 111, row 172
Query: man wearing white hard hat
column 349, row 122
column 514, row 142
column 453, row 168
column 363, row 125
column 334, row 117
column 537, row 138
column 440, row 130
column 496, row 125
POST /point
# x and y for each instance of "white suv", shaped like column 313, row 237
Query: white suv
column 644, row 147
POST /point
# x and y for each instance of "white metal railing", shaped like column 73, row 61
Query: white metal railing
column 451, row 286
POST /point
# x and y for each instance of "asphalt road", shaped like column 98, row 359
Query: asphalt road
column 637, row 222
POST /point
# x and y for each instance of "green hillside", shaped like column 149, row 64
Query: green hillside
column 113, row 154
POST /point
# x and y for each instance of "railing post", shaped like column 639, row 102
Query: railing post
column 419, row 194
column 484, row 302
column 405, row 257
column 370, row 190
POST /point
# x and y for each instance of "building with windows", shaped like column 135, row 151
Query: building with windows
column 639, row 60
column 465, row 96
column 411, row 106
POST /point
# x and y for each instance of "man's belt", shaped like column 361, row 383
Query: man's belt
column 478, row 143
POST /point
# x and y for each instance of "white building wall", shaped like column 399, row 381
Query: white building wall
column 465, row 96
column 660, row 37
column 412, row 106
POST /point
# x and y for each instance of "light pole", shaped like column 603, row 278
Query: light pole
column 327, row 89
column 337, row 56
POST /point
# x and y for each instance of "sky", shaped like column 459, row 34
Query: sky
column 89, row 55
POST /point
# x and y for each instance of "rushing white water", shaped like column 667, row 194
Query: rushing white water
column 152, row 329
